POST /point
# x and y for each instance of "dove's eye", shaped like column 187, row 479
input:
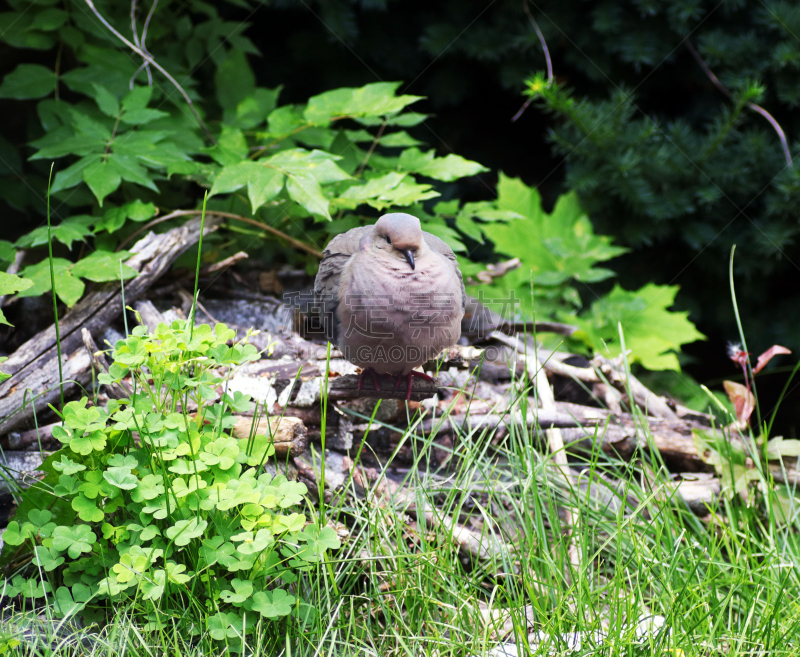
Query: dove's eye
column 388, row 240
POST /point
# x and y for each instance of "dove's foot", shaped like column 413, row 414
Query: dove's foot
column 374, row 376
column 410, row 381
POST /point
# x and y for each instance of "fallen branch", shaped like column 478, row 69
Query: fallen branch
column 33, row 366
column 288, row 434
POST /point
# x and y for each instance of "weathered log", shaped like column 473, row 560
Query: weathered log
column 34, row 366
column 584, row 428
column 20, row 469
column 31, row 440
column 288, row 434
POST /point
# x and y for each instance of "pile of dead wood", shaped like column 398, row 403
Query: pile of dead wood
column 573, row 404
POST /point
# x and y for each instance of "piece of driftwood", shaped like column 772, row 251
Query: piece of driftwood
column 288, row 434
column 31, row 440
column 20, row 469
column 605, row 370
column 34, row 366
column 116, row 390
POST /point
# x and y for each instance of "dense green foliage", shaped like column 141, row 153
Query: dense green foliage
column 151, row 504
column 661, row 160
column 127, row 152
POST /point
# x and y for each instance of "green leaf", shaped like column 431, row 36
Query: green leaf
column 556, row 246
column 391, row 189
column 28, row 81
column 142, row 116
column 75, row 540
column 9, row 283
column 67, row 465
column 40, row 517
column 87, row 510
column 16, row 535
column 253, row 544
column 652, row 332
column 68, row 288
column 68, row 604
column 450, row 167
column 400, row 139
column 372, row 100
column 184, row 531
column 253, row 109
column 68, row 231
column 106, row 101
column 317, row 541
column 305, row 190
column 231, row 146
column 102, row 266
column 234, row 80
column 73, row 174
column 46, row 558
column 114, row 218
column 242, row 590
column 129, row 169
column 273, row 604
column 48, row 20
column 121, row 478
column 224, row 624
column 103, row 179
column 137, row 98
column 263, row 182
column 7, row 251
column 84, row 445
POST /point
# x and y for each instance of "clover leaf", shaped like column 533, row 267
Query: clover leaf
column 149, row 487
column 127, row 461
column 16, row 535
column 217, row 550
column 291, row 523
column 130, row 566
column 273, row 604
column 70, row 603
column 184, row 531
column 242, row 590
column 75, row 540
column 33, row 588
column 222, row 453
column 175, row 573
column 223, row 625
column 67, row 465
column 317, row 541
column 94, row 485
column 86, row 509
column 153, row 586
column 67, row 485
column 86, row 444
column 121, row 478
column 46, row 558
column 250, row 543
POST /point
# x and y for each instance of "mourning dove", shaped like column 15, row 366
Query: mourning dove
column 391, row 297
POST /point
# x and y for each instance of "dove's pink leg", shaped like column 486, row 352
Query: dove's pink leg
column 410, row 381
column 374, row 376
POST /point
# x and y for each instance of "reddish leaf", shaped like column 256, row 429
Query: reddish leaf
column 736, row 354
column 742, row 399
column 764, row 358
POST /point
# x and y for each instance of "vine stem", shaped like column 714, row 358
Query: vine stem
column 546, row 50
column 756, row 108
column 139, row 44
column 225, row 215
column 148, row 58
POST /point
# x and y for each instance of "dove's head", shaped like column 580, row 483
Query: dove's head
column 399, row 235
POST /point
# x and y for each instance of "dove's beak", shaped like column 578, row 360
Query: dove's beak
column 409, row 257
